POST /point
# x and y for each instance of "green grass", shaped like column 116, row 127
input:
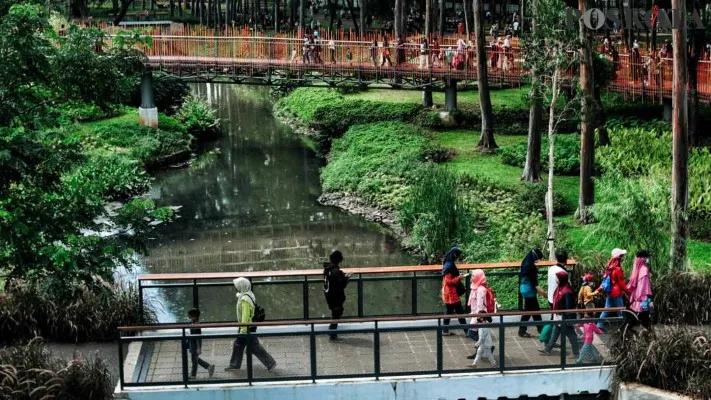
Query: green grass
column 501, row 97
column 472, row 162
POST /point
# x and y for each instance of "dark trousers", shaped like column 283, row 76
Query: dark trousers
column 333, row 55
column 196, row 360
column 569, row 332
column 530, row 304
column 336, row 313
column 240, row 344
column 455, row 308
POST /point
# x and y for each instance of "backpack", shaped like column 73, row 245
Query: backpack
column 259, row 315
column 606, row 284
column 490, row 301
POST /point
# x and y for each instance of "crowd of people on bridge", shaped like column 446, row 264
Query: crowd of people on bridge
column 566, row 304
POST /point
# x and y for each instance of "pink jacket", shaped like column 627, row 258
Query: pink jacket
column 640, row 285
column 589, row 331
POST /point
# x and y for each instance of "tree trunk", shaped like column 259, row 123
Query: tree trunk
column 122, row 12
column 361, row 17
column 79, row 9
column 532, row 169
column 551, row 163
column 428, row 11
column 398, row 20
column 466, row 17
column 301, row 13
column 276, row 16
column 441, row 19
column 486, row 142
column 586, row 197
column 680, row 152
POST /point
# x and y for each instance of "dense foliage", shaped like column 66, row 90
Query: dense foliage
column 199, row 117
column 567, row 154
column 30, row 371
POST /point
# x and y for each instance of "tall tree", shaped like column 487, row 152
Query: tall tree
column 397, row 11
column 680, row 146
column 428, row 12
column 441, row 18
column 486, row 142
column 532, row 169
column 586, row 196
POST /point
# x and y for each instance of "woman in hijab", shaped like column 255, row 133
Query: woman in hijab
column 246, row 304
column 452, row 287
column 529, row 288
column 641, row 288
column 563, row 299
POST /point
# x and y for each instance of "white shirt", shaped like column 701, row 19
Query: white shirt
column 507, row 42
column 553, row 281
column 332, row 44
column 515, row 25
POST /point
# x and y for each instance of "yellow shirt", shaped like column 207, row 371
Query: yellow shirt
column 245, row 313
column 585, row 295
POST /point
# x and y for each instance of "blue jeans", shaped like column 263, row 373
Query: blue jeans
column 589, row 352
column 609, row 303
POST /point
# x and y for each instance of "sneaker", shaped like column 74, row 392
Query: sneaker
column 270, row 369
column 492, row 349
column 211, row 370
column 473, row 366
column 231, row 368
column 471, row 357
column 546, row 351
column 525, row 335
column 192, row 377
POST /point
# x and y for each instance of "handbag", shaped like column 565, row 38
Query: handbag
column 460, row 289
column 545, row 335
column 526, row 289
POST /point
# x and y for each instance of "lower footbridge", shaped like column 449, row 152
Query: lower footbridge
column 381, row 352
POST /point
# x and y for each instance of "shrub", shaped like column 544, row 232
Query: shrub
column 682, row 298
column 566, row 153
column 30, row 371
column 199, row 117
column 377, row 161
column 531, row 197
column 677, row 359
column 433, row 212
column 84, row 312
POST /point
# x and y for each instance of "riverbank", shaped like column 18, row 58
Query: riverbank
column 382, row 181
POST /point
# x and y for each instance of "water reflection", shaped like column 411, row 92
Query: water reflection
column 250, row 204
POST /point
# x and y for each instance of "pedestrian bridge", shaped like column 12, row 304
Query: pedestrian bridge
column 385, row 357
column 280, row 60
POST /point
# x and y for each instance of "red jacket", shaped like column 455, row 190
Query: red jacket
column 449, row 289
column 617, row 277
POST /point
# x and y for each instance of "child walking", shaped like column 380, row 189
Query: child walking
column 195, row 347
column 484, row 344
column 586, row 294
column 588, row 350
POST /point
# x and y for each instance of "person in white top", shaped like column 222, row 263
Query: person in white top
column 332, row 50
column 561, row 259
column 635, row 45
column 515, row 28
column 484, row 344
column 507, row 42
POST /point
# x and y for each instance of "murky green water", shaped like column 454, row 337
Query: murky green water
column 248, row 203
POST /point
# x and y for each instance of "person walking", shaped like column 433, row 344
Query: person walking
column 529, row 288
column 424, row 58
column 246, row 305
column 452, row 288
column 195, row 347
column 334, row 288
column 586, row 295
column 386, row 53
column 613, row 285
column 641, row 288
column 374, row 52
column 589, row 351
column 332, row 50
column 481, row 300
column 484, row 345
column 563, row 299
column 561, row 259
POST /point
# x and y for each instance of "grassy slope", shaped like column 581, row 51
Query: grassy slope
column 469, row 161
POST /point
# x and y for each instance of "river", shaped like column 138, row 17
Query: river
column 248, row 203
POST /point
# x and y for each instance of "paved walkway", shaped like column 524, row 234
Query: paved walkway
column 400, row 352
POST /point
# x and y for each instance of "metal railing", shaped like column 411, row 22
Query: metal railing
column 271, row 287
column 307, row 368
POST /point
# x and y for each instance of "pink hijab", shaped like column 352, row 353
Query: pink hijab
column 639, row 285
column 477, row 298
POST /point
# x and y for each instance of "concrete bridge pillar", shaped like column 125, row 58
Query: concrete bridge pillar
column 147, row 112
column 427, row 98
column 667, row 114
column 450, row 95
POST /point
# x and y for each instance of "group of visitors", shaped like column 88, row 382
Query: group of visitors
column 565, row 304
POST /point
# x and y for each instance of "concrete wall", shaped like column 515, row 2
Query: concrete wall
column 470, row 386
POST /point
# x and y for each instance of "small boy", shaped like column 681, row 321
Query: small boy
column 484, row 345
column 195, row 347
column 588, row 350
column 586, row 295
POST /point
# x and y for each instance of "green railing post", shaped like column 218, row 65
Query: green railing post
column 305, row 289
column 120, row 355
column 414, row 293
column 312, row 341
column 563, row 343
column 250, row 373
column 502, row 344
column 439, row 347
column 376, row 352
column 184, row 357
column 196, row 295
column 360, row 295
